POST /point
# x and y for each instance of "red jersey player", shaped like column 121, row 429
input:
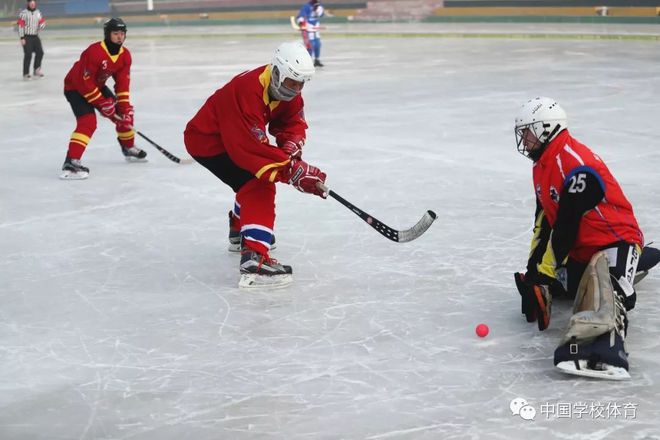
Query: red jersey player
column 586, row 242
column 85, row 89
column 228, row 137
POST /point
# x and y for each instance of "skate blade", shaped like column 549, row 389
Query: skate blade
column 608, row 372
column 252, row 281
column 639, row 276
column 70, row 175
column 132, row 159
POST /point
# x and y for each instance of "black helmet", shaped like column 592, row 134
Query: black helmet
column 114, row 24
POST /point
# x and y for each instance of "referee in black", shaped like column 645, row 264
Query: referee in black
column 30, row 21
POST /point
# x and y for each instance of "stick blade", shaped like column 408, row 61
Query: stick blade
column 421, row 227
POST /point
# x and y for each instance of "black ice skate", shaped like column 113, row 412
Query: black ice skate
column 261, row 271
column 235, row 242
column 318, row 63
column 604, row 358
column 134, row 154
column 650, row 258
column 235, row 238
column 73, row 170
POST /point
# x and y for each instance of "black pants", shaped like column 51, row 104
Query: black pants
column 79, row 104
column 32, row 44
column 226, row 170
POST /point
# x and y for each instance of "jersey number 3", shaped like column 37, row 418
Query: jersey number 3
column 577, row 183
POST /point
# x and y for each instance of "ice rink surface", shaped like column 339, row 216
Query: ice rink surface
column 120, row 317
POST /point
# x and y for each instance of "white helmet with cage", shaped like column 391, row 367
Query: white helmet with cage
column 291, row 60
column 538, row 122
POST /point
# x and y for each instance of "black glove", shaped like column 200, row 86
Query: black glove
column 536, row 299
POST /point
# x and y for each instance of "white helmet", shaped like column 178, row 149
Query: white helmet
column 545, row 119
column 291, row 60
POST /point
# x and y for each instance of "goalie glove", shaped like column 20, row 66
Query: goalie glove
column 305, row 178
column 536, row 300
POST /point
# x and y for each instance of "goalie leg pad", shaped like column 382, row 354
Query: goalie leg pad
column 597, row 308
column 593, row 344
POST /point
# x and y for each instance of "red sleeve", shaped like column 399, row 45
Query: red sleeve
column 290, row 125
column 89, row 65
column 243, row 129
column 123, row 80
column 21, row 26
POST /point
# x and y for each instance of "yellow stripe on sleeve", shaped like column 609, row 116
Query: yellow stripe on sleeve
column 270, row 166
column 96, row 90
column 94, row 98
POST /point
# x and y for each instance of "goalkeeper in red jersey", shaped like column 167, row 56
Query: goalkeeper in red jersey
column 228, row 136
column 85, row 89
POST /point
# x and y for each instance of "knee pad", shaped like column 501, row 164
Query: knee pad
column 597, row 309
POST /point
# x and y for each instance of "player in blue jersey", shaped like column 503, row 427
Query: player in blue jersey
column 309, row 21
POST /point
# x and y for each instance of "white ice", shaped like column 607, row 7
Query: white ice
column 119, row 312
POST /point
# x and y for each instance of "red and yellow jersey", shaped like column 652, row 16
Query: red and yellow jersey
column 234, row 119
column 570, row 170
column 89, row 74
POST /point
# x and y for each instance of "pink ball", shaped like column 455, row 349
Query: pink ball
column 482, row 330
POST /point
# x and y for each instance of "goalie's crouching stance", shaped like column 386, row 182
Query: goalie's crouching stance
column 586, row 244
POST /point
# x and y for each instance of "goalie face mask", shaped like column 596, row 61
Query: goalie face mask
column 538, row 122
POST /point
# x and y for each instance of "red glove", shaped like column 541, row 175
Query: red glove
column 293, row 148
column 107, row 107
column 127, row 115
column 305, row 177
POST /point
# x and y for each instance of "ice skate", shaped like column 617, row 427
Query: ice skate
column 604, row 358
column 649, row 259
column 72, row 169
column 38, row 73
column 235, row 239
column 134, row 154
column 593, row 344
column 318, row 63
column 262, row 272
column 27, row 77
